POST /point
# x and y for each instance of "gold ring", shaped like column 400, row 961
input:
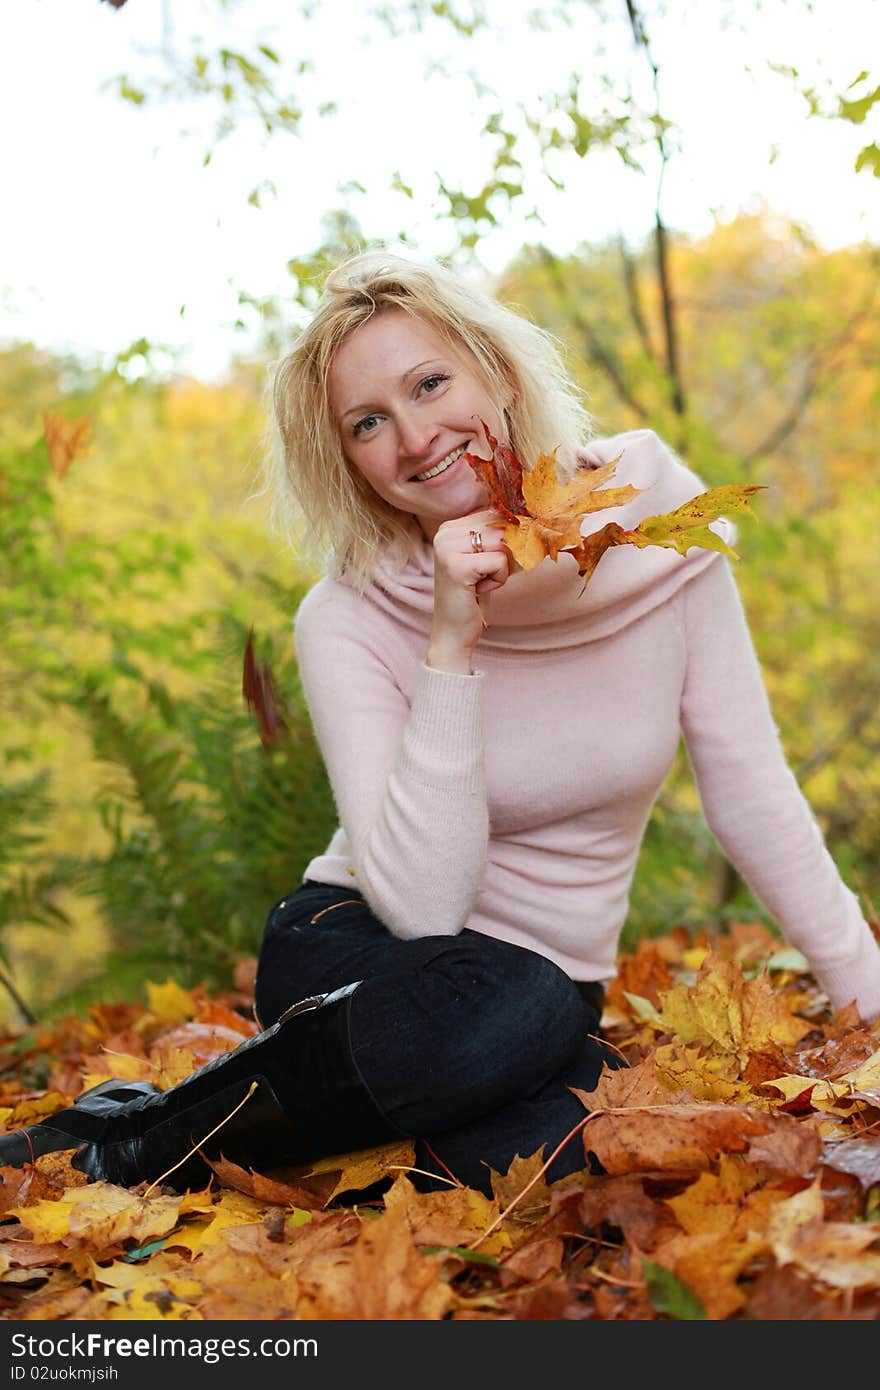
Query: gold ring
column 476, row 541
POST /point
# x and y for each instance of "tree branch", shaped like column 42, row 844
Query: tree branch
column 818, row 359
column 661, row 238
column 634, row 299
column 29, row 1017
column 596, row 349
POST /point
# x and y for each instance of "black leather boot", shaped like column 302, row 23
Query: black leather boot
column 291, row 1094
column 84, row 1120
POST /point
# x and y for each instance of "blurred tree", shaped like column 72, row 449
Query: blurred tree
column 753, row 351
column 140, row 813
column 781, row 378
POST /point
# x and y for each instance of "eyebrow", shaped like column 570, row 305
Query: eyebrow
column 365, row 409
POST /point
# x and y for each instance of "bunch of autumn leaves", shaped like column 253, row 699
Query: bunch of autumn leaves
column 542, row 518
column 543, row 514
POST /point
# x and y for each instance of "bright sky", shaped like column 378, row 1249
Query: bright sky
column 114, row 231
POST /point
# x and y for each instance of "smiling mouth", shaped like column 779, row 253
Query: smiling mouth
column 440, row 467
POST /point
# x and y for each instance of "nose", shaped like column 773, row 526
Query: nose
column 415, row 435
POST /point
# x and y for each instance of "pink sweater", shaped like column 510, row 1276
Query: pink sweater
column 514, row 801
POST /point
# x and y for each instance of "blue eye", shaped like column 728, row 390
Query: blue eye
column 430, row 383
column 365, row 424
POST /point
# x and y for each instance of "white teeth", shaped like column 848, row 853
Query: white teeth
column 442, row 466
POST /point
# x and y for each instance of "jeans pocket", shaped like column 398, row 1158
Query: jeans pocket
column 290, row 913
column 311, row 906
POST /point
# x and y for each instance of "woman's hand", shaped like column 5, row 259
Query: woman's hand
column 461, row 575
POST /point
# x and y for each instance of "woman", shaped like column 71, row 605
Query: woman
column 495, row 741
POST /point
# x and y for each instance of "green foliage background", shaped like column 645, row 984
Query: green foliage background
column 146, row 831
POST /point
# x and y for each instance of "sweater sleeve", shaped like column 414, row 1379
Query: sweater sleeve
column 753, row 804
column 407, row 778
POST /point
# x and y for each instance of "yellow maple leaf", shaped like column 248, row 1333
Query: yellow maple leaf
column 168, row 1003
column 100, row 1215
column 555, row 508
column 162, row 1287
column 725, row 1012
column 722, row 1215
column 28, row 1112
column 837, row 1096
column 126, row 1066
column 522, row 1174
column 229, row 1211
column 704, row 1078
column 360, row 1168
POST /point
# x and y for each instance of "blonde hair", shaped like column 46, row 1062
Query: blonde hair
column 308, row 474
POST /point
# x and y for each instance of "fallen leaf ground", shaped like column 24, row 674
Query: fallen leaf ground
column 741, row 1150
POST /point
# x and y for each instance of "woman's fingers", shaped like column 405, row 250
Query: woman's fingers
column 470, row 561
column 477, row 534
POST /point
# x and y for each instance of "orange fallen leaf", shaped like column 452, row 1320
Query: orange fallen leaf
column 385, row 1278
column 236, row 1285
column 645, row 973
column 213, row 1012
column 621, row 1201
column 522, row 1174
column 655, row 1138
column 450, row 1216
column 263, row 1187
column 641, row 1084
column 716, row 1182
column 532, row 1261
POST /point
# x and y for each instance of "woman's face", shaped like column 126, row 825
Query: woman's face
column 407, row 408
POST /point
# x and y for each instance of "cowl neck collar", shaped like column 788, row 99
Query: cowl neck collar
column 548, row 608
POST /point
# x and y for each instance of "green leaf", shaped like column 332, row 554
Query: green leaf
column 856, row 111
column 130, row 93
column 670, row 1296
column 641, row 1007
column 472, row 1256
column 869, row 158
column 790, row 958
column 399, row 186
column 143, row 1252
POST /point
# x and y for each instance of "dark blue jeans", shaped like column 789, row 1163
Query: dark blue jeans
column 466, row 1043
